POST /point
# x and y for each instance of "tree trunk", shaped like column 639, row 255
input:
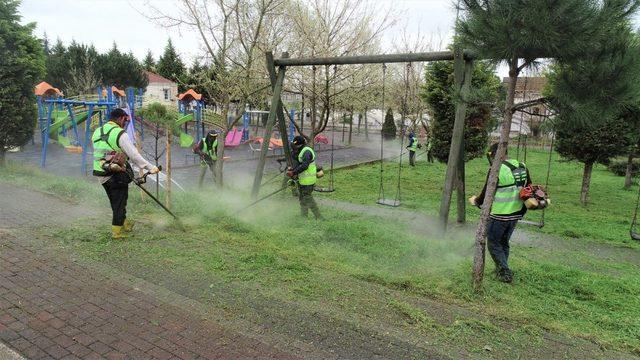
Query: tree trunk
column 359, row 123
column 586, row 180
column 167, row 199
column 350, row 125
column 3, row 153
column 366, row 125
column 314, row 105
column 628, row 177
column 492, row 182
column 218, row 170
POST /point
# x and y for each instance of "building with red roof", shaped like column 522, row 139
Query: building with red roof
column 160, row 89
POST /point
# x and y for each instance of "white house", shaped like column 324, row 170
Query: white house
column 160, row 89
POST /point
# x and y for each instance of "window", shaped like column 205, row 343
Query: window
column 166, row 94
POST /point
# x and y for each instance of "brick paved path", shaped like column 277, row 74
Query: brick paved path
column 54, row 307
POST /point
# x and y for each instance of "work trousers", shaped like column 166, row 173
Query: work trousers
column 203, row 170
column 118, row 194
column 412, row 158
column 307, row 202
column 429, row 156
column 498, row 234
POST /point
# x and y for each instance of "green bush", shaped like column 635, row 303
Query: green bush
column 619, row 167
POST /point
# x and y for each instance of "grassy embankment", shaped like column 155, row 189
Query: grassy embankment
column 325, row 264
column 606, row 219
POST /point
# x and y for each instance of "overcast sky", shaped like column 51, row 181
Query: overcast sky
column 101, row 22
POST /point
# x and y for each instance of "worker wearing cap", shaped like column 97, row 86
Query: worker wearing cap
column 506, row 210
column 413, row 147
column 112, row 150
column 305, row 172
column 207, row 148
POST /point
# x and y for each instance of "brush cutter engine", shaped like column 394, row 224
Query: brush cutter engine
column 535, row 197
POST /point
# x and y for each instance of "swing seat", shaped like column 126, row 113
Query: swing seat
column 537, row 224
column 323, row 189
column 388, row 202
column 634, row 235
column 74, row 149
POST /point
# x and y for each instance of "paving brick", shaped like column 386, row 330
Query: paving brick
column 93, row 356
column 70, row 357
column 122, row 346
column 158, row 353
column 21, row 344
column 79, row 350
column 48, row 302
column 115, row 355
column 42, row 342
column 100, row 347
column 35, row 353
column 64, row 340
column 44, row 316
column 7, row 335
column 57, row 351
column 84, row 339
column 56, row 323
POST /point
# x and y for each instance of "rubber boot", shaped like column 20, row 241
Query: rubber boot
column 128, row 225
column 117, row 233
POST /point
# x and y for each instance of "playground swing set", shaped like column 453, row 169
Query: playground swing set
column 462, row 61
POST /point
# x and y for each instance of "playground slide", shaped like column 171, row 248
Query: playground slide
column 60, row 118
column 186, row 140
column 234, row 137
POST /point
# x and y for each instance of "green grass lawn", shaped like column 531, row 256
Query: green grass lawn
column 324, row 263
column 607, row 218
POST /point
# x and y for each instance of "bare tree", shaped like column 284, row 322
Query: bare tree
column 83, row 79
column 323, row 28
column 234, row 34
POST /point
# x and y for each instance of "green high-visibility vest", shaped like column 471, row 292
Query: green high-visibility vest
column 414, row 145
column 308, row 177
column 211, row 151
column 512, row 178
column 105, row 139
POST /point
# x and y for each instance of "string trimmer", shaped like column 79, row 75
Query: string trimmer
column 143, row 179
column 291, row 182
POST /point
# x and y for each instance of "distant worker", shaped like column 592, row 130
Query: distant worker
column 413, row 147
column 506, row 210
column 305, row 171
column 430, row 150
column 112, row 148
column 207, row 148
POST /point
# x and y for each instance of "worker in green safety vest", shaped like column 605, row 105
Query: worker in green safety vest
column 304, row 170
column 506, row 210
column 112, row 150
column 207, row 148
column 413, row 147
column 430, row 149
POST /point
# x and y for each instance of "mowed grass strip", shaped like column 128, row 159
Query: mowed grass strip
column 291, row 258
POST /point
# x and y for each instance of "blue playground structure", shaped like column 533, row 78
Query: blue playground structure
column 190, row 107
column 57, row 116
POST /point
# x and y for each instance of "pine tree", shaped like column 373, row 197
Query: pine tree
column 593, row 95
column 439, row 95
column 22, row 68
column 121, row 70
column 389, row 126
column 506, row 30
column 171, row 66
column 149, row 63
